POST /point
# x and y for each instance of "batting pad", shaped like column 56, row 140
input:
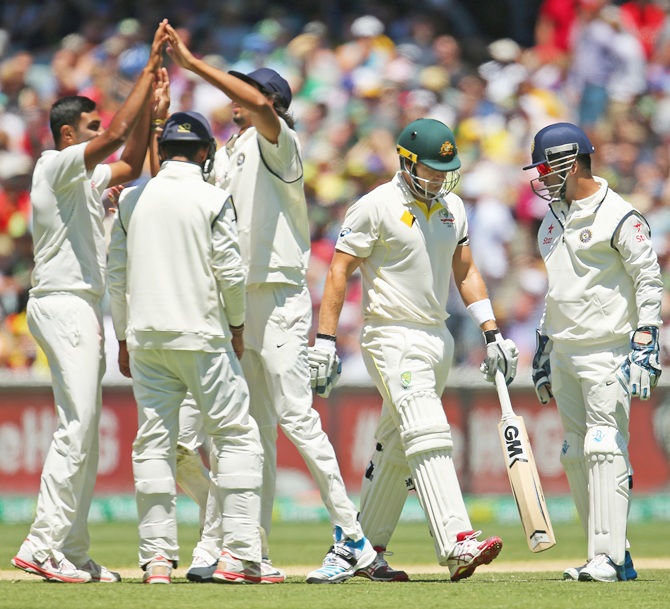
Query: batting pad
column 609, row 483
column 573, row 461
column 384, row 492
column 440, row 497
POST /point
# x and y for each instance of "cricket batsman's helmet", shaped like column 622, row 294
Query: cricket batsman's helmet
column 431, row 143
column 553, row 152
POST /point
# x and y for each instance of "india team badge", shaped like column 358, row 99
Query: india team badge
column 406, row 379
column 585, row 236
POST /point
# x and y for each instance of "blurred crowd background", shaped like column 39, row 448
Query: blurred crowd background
column 496, row 71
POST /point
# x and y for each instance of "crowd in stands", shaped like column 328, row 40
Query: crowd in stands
column 603, row 65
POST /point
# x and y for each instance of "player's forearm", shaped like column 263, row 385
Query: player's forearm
column 332, row 302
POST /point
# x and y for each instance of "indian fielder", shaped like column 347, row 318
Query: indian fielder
column 407, row 237
column 598, row 339
column 176, row 284
column 261, row 167
column 65, row 312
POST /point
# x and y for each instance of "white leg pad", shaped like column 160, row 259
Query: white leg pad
column 609, row 483
column 573, row 460
column 384, row 491
column 426, row 437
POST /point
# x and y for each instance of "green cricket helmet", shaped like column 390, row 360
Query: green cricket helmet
column 431, row 143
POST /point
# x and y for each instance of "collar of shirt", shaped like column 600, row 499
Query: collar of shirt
column 410, row 198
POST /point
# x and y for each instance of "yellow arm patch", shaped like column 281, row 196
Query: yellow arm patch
column 408, row 218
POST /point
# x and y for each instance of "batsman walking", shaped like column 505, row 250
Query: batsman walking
column 408, row 237
column 598, row 341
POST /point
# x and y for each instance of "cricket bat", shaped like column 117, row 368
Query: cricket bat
column 522, row 472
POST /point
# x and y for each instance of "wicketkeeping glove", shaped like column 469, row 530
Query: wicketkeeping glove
column 542, row 368
column 325, row 366
column 640, row 371
column 500, row 353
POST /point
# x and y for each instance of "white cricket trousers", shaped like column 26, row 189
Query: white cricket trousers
column 69, row 329
column 278, row 320
column 161, row 379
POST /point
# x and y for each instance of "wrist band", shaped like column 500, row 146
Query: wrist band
column 327, row 337
column 481, row 311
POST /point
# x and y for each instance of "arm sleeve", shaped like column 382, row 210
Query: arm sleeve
column 360, row 229
column 116, row 277
column 227, row 264
column 632, row 240
column 283, row 158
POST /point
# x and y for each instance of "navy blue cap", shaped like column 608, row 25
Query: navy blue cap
column 269, row 81
column 186, row 127
column 556, row 139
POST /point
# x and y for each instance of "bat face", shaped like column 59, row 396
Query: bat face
column 525, row 483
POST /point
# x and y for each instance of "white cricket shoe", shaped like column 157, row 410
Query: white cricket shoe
column 202, row 568
column 380, row 571
column 52, row 569
column 270, row 574
column 158, row 570
column 572, row 573
column 99, row 573
column 344, row 558
column 469, row 553
column 232, row 570
column 601, row 569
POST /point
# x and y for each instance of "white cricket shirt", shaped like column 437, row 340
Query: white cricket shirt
column 408, row 251
column 604, row 277
column 68, row 233
column 267, row 185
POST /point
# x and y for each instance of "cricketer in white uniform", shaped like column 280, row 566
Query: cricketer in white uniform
column 176, row 285
column 261, row 167
column 407, row 237
column 65, row 314
column 598, row 339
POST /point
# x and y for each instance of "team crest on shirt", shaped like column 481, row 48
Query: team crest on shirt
column 585, row 235
column 240, row 159
column 446, row 218
column 406, row 379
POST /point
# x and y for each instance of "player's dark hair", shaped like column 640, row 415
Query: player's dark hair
column 68, row 111
column 181, row 148
column 584, row 161
column 279, row 108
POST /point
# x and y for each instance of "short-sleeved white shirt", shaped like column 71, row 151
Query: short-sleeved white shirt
column 68, row 232
column 408, row 251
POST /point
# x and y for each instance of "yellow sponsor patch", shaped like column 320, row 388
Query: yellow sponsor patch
column 408, row 218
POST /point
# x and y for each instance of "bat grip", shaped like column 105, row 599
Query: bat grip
column 503, row 395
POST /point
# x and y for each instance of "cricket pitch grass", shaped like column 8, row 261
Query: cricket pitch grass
column 517, row 579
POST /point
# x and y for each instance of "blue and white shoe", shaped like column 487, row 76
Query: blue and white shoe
column 344, row 558
column 572, row 573
column 601, row 569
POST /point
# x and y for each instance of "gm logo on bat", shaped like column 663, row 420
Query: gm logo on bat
column 515, row 449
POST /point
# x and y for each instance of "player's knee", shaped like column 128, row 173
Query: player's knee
column 604, row 442
column 425, row 426
column 572, row 450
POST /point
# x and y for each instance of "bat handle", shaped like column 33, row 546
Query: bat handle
column 503, row 395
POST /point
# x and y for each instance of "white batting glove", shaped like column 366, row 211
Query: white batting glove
column 542, row 368
column 324, row 364
column 501, row 354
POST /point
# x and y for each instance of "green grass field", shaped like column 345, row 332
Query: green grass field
column 300, row 547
